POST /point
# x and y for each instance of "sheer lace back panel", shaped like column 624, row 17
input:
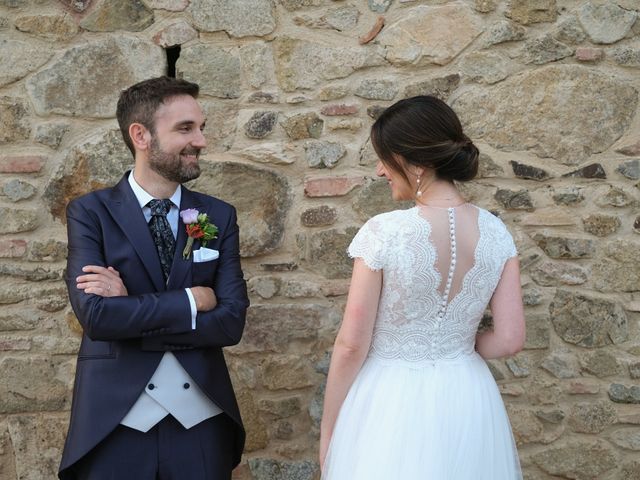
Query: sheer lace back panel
column 440, row 267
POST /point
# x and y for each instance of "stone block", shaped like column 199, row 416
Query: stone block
column 115, row 15
column 303, row 125
column 217, row 70
column 321, row 154
column 238, row 19
column 17, row 190
column 318, row 216
column 606, row 23
column 430, row 34
column 588, row 321
column 588, row 417
column 527, row 12
column 331, row 186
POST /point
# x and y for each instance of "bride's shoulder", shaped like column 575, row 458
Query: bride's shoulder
column 390, row 220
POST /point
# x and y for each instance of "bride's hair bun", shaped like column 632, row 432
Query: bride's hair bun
column 425, row 132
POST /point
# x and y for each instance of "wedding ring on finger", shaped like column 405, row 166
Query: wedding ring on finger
column 108, row 287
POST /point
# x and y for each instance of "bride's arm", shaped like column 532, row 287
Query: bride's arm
column 351, row 345
column 508, row 334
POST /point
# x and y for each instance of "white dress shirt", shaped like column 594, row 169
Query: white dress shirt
column 170, row 390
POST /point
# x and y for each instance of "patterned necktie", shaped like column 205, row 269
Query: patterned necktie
column 162, row 234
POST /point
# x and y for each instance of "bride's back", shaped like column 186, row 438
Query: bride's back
column 440, row 268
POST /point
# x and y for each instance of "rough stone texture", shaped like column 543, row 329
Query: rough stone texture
column 248, row 18
column 565, row 247
column 262, row 224
column 16, row 220
column 14, row 123
column 629, row 439
column 587, row 321
column 585, row 54
column 375, row 198
column 616, row 197
column 601, row 363
column 527, row 11
column 97, row 163
column 561, row 365
column 537, row 332
column 319, row 216
column 62, row 89
column 487, row 168
column 24, row 58
column 578, row 460
column 626, row 55
column 570, row 31
column 29, row 434
column 528, row 172
column 170, row 5
column 50, row 27
column 618, row 270
column 303, row 64
column 12, row 249
column 260, row 124
column 257, row 63
column 217, row 70
column 601, row 225
column 622, row 394
column 430, row 35
column 590, row 417
column 275, row 153
column 606, row 23
column 377, row 89
column 113, row 15
column 51, row 134
column 32, row 385
column 175, row 34
column 17, row 190
column 303, row 125
column 545, row 126
column 327, row 252
column 550, row 274
column 568, row 196
column 269, row 469
column 441, row 87
column 222, row 115
column 501, row 32
column 593, row 170
column 330, row 186
column 630, row 169
column 514, row 200
column 321, row 154
column 485, row 67
column 545, row 49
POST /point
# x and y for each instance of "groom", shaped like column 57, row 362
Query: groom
column 152, row 396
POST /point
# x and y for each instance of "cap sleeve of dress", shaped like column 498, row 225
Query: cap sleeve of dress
column 368, row 244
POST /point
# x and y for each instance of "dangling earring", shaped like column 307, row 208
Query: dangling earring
column 418, row 192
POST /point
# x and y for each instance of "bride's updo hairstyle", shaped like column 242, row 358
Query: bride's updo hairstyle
column 427, row 133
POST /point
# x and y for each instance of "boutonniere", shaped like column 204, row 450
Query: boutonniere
column 198, row 227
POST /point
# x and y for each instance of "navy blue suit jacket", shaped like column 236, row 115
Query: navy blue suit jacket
column 125, row 337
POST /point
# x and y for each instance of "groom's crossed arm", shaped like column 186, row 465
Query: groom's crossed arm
column 146, row 316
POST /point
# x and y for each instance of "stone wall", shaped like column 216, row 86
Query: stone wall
column 547, row 88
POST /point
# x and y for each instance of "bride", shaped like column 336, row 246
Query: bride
column 409, row 396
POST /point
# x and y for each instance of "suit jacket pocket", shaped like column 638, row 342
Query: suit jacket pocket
column 93, row 349
column 203, row 273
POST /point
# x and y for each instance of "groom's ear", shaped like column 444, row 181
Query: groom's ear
column 140, row 136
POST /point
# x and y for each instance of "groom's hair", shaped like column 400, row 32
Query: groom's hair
column 139, row 103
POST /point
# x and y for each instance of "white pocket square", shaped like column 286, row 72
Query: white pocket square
column 205, row 255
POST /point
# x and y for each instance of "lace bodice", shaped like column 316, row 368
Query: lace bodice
column 440, row 269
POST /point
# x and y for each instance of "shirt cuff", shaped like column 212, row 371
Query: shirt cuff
column 192, row 304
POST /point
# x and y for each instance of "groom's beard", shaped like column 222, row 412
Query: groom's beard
column 171, row 166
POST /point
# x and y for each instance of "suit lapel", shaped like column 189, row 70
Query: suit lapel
column 126, row 212
column 181, row 267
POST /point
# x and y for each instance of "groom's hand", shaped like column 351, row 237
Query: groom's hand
column 205, row 298
column 102, row 281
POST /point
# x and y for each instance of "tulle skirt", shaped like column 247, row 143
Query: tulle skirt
column 442, row 420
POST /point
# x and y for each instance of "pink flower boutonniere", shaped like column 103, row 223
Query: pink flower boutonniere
column 198, row 227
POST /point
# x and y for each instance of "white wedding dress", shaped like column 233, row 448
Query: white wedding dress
column 424, row 406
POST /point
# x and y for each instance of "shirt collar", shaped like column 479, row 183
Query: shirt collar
column 143, row 196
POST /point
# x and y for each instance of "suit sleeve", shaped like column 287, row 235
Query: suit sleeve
column 223, row 325
column 115, row 318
